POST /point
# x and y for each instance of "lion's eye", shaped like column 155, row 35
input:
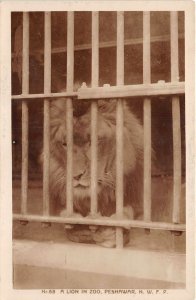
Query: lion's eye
column 64, row 144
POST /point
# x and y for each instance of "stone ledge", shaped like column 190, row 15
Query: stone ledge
column 150, row 265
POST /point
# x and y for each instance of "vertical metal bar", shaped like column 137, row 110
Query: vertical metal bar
column 25, row 90
column 69, row 174
column 119, row 127
column 69, row 110
column 70, row 50
column 95, row 49
column 47, row 52
column 120, row 48
column 175, row 118
column 25, row 57
column 24, row 188
column 174, row 46
column 47, row 89
column 147, row 117
column 146, row 48
column 94, row 81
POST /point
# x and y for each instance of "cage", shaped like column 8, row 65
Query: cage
column 120, row 66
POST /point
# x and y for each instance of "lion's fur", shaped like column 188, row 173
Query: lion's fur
column 133, row 156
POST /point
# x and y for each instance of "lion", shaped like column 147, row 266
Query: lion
column 106, row 173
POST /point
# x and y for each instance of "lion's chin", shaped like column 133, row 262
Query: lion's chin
column 81, row 191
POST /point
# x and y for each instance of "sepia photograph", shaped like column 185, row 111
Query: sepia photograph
column 101, row 148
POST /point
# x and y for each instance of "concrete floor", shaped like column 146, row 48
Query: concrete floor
column 28, row 277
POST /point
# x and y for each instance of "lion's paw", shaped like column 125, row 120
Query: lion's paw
column 106, row 237
column 79, row 234
column 103, row 236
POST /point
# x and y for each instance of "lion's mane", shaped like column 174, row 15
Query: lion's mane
column 133, row 157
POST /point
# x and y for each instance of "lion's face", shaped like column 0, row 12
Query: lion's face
column 82, row 155
column 106, row 131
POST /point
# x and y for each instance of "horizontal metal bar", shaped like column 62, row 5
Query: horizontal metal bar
column 102, row 221
column 136, row 90
column 154, row 89
column 108, row 44
column 46, row 95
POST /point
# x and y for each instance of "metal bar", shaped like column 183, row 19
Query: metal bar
column 94, row 109
column 69, row 173
column 146, row 48
column 120, row 48
column 46, row 161
column 45, row 95
column 25, row 144
column 153, row 89
column 95, row 49
column 108, row 44
column 93, row 157
column 119, row 127
column 119, row 160
column 174, row 46
column 25, row 54
column 101, row 221
column 25, row 90
column 69, row 111
column 70, row 51
column 47, row 52
column 147, row 159
column 177, row 172
column 147, row 117
column 47, row 89
column 176, row 119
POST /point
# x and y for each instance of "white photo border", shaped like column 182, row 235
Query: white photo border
column 6, row 7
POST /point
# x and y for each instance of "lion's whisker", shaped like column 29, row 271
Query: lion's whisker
column 107, row 181
column 61, row 179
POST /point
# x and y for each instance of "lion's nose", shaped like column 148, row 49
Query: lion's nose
column 78, row 176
